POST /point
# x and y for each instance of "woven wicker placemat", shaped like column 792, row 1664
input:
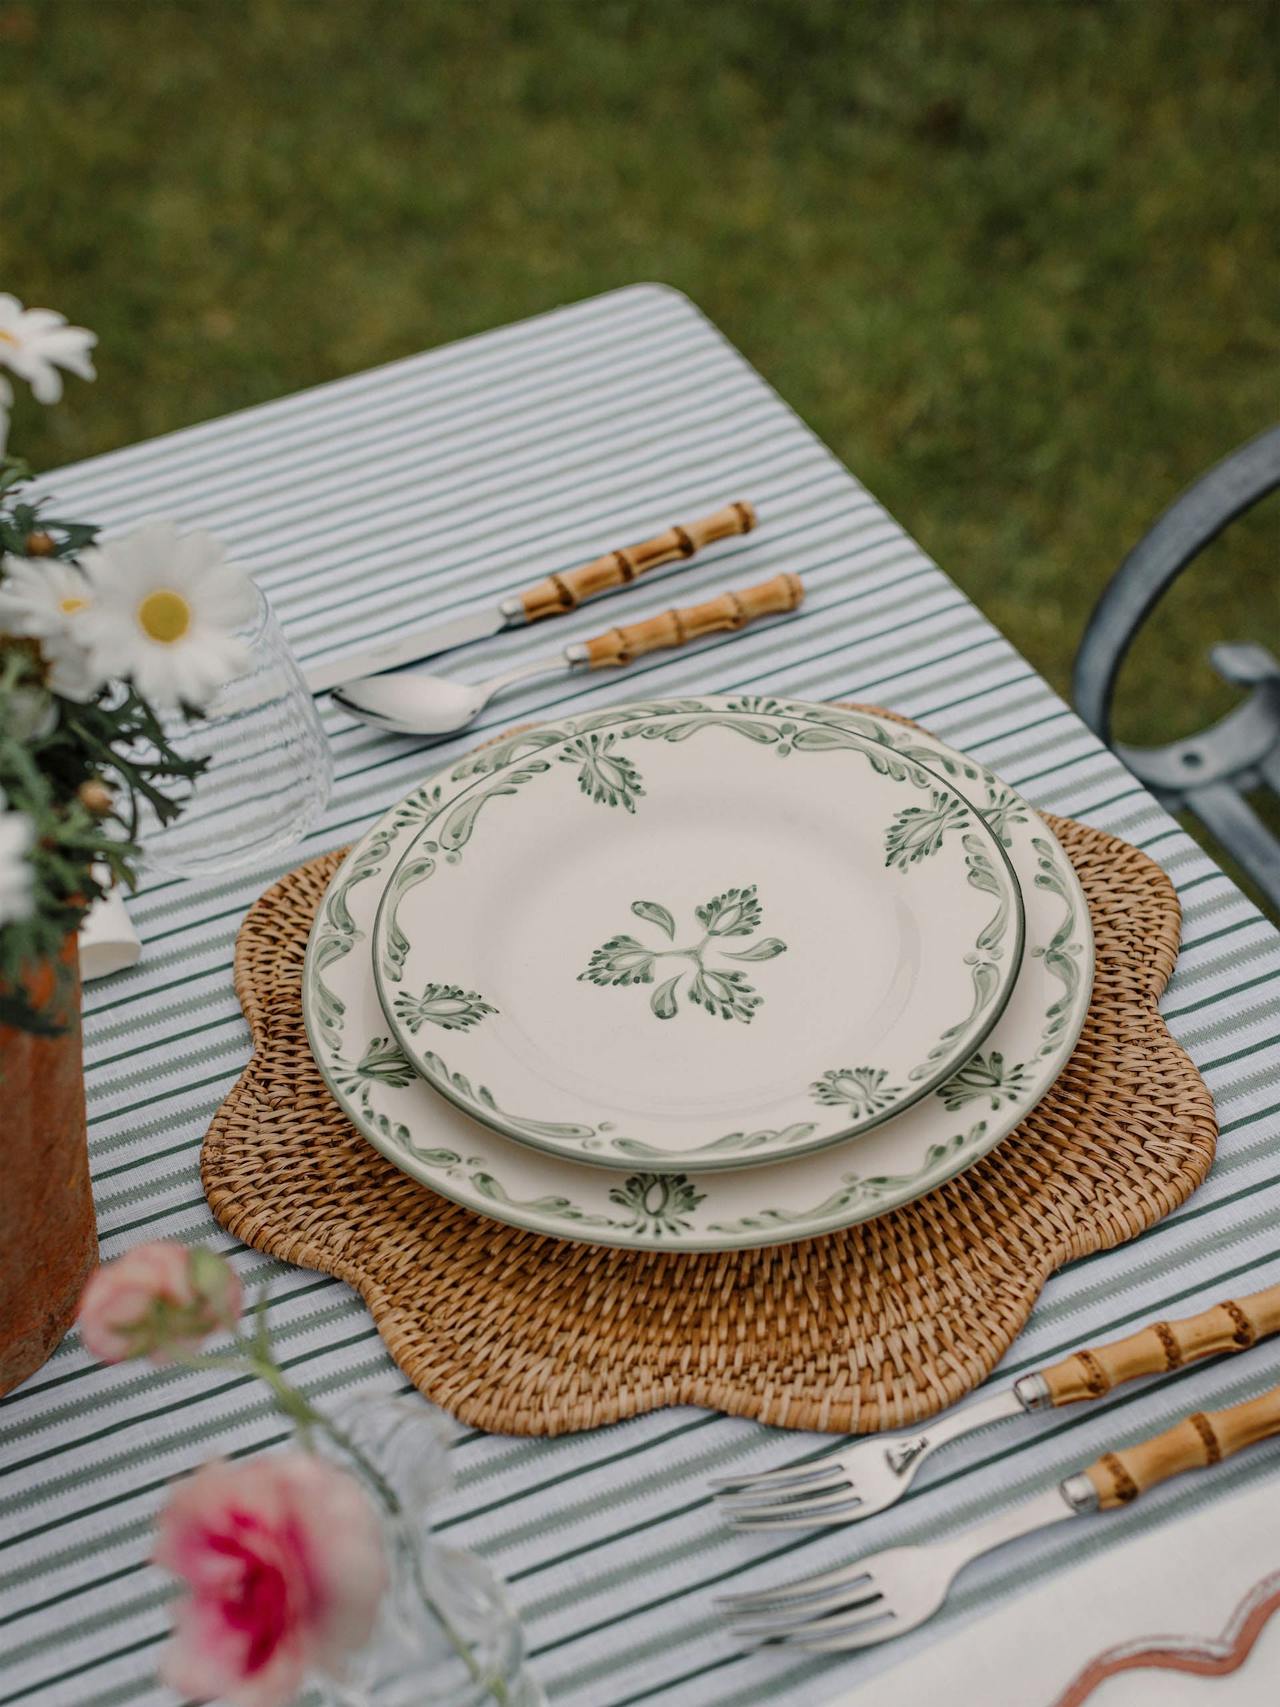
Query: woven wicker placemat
column 872, row 1328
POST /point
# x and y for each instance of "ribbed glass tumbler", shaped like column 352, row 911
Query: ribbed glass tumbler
column 269, row 773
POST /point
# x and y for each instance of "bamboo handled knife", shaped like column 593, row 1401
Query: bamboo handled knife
column 554, row 595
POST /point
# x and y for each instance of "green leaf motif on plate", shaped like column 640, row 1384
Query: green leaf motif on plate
column 657, row 1203
column 982, row 1077
column 465, row 1092
column 382, row 1063
column 555, row 1208
column 862, row 1089
column 621, row 960
column 1062, row 953
column 418, row 807
column 983, row 960
column 724, row 994
column 735, row 913
column 502, row 753
column 918, row 831
column 337, row 932
column 733, row 1143
column 1002, row 809
column 446, row 1005
column 656, row 914
column 941, row 1161
column 604, row 775
column 408, row 875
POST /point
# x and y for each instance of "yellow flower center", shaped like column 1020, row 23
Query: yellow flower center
column 164, row 616
column 71, row 604
column 8, row 338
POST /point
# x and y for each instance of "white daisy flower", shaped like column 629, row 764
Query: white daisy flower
column 163, row 608
column 45, row 600
column 36, row 342
column 17, row 877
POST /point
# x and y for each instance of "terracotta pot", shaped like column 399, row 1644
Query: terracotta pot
column 48, row 1241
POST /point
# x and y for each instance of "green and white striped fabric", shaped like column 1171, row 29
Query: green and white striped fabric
column 407, row 493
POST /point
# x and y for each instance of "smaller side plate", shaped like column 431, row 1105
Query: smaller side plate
column 647, row 941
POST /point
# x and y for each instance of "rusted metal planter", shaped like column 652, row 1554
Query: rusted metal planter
column 48, row 1241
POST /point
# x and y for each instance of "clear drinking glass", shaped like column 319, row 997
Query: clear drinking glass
column 446, row 1632
column 270, row 769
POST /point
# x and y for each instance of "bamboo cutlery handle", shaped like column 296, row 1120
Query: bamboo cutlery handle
column 1205, row 1438
column 560, row 593
column 678, row 627
column 1234, row 1325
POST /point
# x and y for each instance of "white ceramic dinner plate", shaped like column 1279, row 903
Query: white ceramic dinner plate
column 651, row 941
column 430, row 1139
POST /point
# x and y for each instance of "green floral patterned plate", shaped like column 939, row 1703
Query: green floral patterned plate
column 650, row 941
column 955, row 1126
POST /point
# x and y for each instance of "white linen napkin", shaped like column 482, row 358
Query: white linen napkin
column 108, row 941
column 1179, row 1585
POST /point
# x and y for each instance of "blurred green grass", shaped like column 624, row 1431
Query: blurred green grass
column 1015, row 260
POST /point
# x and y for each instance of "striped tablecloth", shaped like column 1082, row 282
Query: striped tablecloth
column 409, row 492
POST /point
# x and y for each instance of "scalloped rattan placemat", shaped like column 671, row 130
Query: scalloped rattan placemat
column 872, row 1328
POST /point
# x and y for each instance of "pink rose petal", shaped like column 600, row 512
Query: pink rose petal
column 286, row 1566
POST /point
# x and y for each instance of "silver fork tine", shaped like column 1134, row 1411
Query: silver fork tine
column 866, row 1474
column 785, row 1477
column 767, row 1504
column 800, row 1514
column 844, row 1576
column 876, row 1630
column 865, row 1613
column 793, row 1490
column 805, row 1615
column 786, row 1613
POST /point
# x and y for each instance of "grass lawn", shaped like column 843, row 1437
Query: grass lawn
column 1014, row 259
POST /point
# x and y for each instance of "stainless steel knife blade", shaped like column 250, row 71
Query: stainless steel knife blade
column 406, row 649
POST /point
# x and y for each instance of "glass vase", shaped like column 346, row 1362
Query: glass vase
column 446, row 1632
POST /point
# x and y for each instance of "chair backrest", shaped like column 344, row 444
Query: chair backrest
column 1210, row 773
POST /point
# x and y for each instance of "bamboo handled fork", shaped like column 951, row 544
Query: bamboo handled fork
column 885, row 1595
column 846, row 1486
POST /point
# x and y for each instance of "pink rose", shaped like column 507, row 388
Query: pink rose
column 156, row 1296
column 285, row 1560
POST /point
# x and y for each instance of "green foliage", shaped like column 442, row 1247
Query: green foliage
column 50, row 749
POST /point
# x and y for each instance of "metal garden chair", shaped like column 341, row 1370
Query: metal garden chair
column 1208, row 774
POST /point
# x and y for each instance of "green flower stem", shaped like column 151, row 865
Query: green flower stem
column 250, row 1357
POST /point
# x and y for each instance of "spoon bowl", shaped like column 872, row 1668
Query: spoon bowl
column 413, row 704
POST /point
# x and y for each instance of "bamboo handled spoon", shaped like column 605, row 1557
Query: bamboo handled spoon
column 436, row 706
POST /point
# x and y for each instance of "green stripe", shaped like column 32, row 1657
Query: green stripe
column 169, row 1039
column 87, row 1666
column 1221, row 995
column 95, row 1008
column 1253, row 918
column 1019, row 729
column 977, row 693
column 165, row 1096
column 1239, row 1054
column 573, row 1474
